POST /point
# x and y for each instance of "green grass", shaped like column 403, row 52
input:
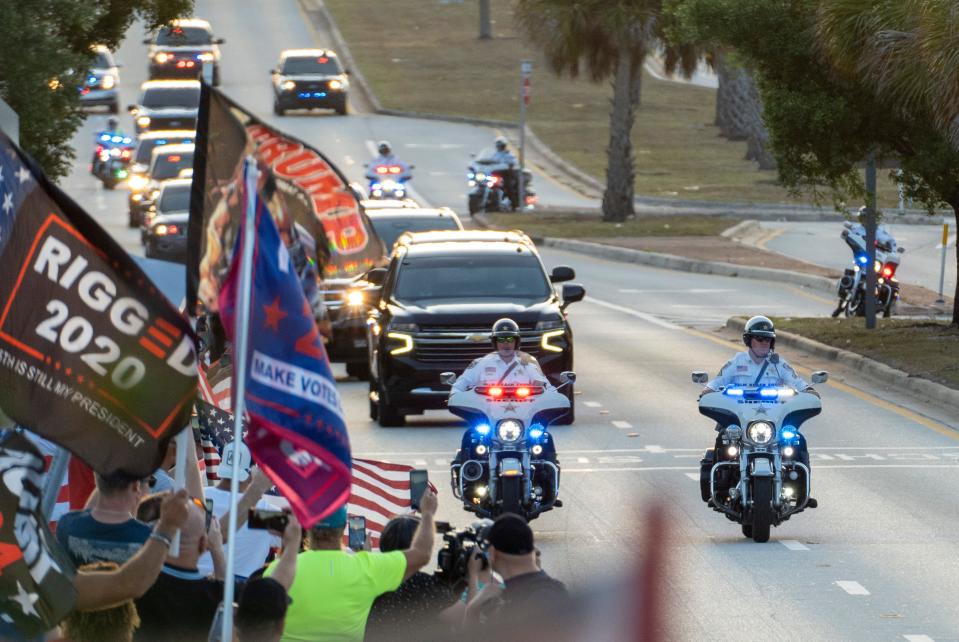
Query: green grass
column 422, row 55
column 927, row 349
column 590, row 227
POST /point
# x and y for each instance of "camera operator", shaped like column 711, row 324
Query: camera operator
column 419, row 603
column 513, row 556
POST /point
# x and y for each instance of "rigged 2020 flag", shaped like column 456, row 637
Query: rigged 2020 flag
column 297, row 433
column 92, row 356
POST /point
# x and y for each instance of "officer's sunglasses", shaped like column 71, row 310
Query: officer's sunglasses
column 505, row 339
column 762, row 339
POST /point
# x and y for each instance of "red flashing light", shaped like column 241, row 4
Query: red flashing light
column 125, row 153
column 888, row 270
column 497, row 180
column 382, row 169
column 495, row 391
column 322, row 60
column 99, row 149
column 522, row 392
column 174, row 158
column 395, row 169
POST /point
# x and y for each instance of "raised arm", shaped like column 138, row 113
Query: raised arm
column 421, row 549
column 260, row 484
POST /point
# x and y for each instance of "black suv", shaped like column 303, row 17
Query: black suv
column 437, row 301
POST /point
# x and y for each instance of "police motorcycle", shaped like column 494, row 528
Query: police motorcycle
column 388, row 180
column 507, row 462
column 488, row 189
column 851, row 287
column 757, row 478
column 111, row 158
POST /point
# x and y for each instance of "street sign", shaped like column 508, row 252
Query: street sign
column 526, row 67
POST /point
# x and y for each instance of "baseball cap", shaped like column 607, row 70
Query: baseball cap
column 263, row 600
column 511, row 534
column 225, row 469
column 336, row 519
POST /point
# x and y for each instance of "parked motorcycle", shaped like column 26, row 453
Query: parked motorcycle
column 111, row 160
column 494, row 188
column 852, row 285
column 388, row 181
column 507, row 462
column 757, row 479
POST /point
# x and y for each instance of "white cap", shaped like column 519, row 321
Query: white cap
column 225, row 469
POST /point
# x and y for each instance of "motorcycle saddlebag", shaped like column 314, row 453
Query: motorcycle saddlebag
column 705, row 469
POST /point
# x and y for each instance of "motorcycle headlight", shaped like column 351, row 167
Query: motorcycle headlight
column 137, row 182
column 288, row 85
column 760, row 432
column 509, row 430
column 107, row 82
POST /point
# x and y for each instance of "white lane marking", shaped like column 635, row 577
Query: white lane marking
column 654, row 449
column 420, row 462
column 592, row 404
column 677, row 291
column 853, row 588
column 349, row 160
column 693, row 476
column 636, row 313
column 622, row 424
column 794, row 545
column 628, row 291
column 441, row 462
column 918, row 638
column 582, row 460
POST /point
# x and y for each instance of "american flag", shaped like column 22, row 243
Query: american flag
column 77, row 483
column 15, row 184
column 216, row 421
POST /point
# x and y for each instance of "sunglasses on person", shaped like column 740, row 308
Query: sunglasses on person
column 506, row 339
column 207, row 507
column 762, row 339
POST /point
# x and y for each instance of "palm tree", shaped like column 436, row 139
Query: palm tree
column 611, row 39
column 909, row 50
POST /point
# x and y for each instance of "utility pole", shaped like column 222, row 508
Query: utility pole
column 871, row 241
column 526, row 68
column 9, row 122
column 486, row 23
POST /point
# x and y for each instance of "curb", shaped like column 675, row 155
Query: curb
column 928, row 390
column 681, row 263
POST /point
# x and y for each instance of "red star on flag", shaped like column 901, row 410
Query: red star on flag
column 274, row 314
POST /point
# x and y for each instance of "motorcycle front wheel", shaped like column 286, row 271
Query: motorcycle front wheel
column 511, row 492
column 762, row 508
column 475, row 203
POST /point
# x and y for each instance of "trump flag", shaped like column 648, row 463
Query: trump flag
column 297, row 433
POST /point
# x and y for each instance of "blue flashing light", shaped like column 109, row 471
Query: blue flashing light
column 161, row 141
column 535, row 432
column 768, row 392
column 788, row 434
column 734, row 392
column 482, row 429
column 92, row 80
column 104, row 137
column 863, row 258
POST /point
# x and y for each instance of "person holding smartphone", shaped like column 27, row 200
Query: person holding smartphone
column 334, row 588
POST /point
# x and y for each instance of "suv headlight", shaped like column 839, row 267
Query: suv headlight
column 760, row 432
column 552, row 335
column 162, row 57
column 336, row 84
column 143, row 121
column 288, row 85
column 509, row 430
column 550, row 325
column 354, row 298
column 107, row 82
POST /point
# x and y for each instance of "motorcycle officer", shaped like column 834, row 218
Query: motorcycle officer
column 108, row 139
column 885, row 241
column 504, row 156
column 506, row 365
column 386, row 157
column 759, row 365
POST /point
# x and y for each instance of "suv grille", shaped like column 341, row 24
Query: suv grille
column 172, row 122
column 453, row 347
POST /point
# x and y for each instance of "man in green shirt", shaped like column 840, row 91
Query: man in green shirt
column 334, row 589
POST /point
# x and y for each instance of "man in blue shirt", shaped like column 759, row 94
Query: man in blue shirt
column 108, row 531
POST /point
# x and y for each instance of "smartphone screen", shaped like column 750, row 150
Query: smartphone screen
column 419, row 479
column 357, row 538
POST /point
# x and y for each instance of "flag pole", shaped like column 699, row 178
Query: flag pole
column 51, row 488
column 239, row 382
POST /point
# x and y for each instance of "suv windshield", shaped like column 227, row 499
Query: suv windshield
column 103, row 61
column 158, row 97
column 175, row 199
column 510, row 277
column 182, row 36
column 389, row 228
column 311, row 65
column 167, row 166
column 146, row 145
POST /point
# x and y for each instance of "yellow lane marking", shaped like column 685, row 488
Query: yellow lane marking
column 761, row 243
column 802, row 292
column 926, row 422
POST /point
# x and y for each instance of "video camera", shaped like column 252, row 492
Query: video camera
column 458, row 546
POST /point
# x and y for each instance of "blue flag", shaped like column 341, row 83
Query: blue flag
column 297, row 433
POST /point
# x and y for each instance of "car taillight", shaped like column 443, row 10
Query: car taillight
column 889, row 270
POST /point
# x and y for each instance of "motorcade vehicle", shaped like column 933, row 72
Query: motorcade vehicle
column 390, row 224
column 166, row 104
column 181, row 48
column 111, row 158
column 507, row 462
column 102, row 85
column 309, row 79
column 137, row 179
column 494, row 186
column 166, row 162
column 387, row 203
column 432, row 308
column 388, row 180
column 851, row 287
column 757, row 479
column 164, row 235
